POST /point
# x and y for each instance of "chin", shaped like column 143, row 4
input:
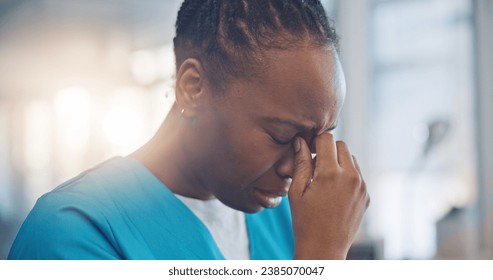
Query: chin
column 252, row 210
column 249, row 208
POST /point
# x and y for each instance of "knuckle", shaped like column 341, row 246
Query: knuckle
column 363, row 186
column 300, row 163
column 355, row 179
column 326, row 175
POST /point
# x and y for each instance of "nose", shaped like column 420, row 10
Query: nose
column 285, row 165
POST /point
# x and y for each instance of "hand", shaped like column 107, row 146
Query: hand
column 328, row 199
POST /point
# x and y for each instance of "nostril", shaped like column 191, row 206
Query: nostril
column 286, row 177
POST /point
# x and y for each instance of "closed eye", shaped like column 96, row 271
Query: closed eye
column 281, row 141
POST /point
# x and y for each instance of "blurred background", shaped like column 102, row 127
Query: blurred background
column 82, row 81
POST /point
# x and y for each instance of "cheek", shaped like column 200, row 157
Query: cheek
column 239, row 151
column 244, row 155
column 253, row 155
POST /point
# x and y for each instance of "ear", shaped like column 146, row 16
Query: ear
column 191, row 86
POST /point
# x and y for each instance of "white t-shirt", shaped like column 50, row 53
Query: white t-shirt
column 226, row 225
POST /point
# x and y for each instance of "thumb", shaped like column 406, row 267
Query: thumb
column 303, row 169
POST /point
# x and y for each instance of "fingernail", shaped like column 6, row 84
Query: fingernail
column 297, row 145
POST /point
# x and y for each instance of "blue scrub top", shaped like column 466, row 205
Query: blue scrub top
column 120, row 210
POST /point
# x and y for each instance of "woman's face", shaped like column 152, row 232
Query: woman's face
column 245, row 137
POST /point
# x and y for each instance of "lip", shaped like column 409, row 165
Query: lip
column 268, row 199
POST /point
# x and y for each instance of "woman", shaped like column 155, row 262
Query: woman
column 259, row 87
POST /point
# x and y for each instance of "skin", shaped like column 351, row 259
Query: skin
column 252, row 144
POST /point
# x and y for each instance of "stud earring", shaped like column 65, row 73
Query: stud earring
column 193, row 120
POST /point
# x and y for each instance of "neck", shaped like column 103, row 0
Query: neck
column 167, row 157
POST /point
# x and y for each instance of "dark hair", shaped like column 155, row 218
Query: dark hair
column 229, row 36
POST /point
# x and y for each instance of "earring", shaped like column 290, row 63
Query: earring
column 193, row 120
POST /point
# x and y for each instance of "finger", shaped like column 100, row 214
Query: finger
column 357, row 165
column 344, row 157
column 326, row 152
column 303, row 169
column 363, row 183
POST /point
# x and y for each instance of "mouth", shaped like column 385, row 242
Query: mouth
column 268, row 199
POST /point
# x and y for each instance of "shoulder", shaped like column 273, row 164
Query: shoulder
column 73, row 221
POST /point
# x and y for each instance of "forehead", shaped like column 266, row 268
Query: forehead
column 303, row 85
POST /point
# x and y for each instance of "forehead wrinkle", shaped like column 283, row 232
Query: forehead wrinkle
column 310, row 131
column 294, row 124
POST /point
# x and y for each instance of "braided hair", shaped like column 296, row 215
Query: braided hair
column 230, row 37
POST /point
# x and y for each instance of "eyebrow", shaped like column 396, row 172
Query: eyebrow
column 298, row 126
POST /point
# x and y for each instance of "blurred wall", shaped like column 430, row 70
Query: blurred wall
column 80, row 81
column 484, row 73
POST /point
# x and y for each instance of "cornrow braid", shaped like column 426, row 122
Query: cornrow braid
column 230, row 37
